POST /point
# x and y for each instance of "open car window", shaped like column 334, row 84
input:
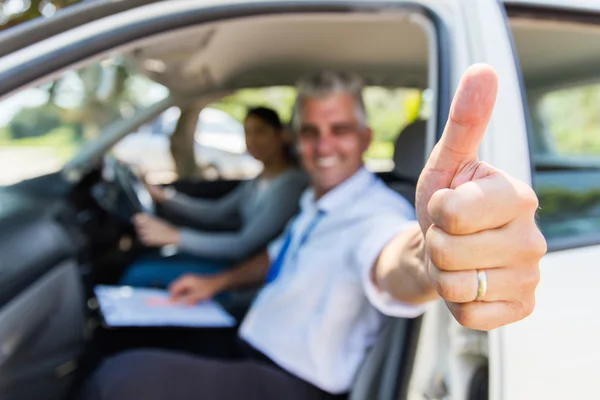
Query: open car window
column 43, row 127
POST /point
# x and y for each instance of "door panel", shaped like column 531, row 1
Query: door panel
column 41, row 336
column 30, row 244
column 555, row 352
column 41, row 302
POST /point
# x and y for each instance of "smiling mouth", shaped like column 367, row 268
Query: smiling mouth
column 326, row 162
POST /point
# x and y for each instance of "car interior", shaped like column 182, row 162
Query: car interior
column 65, row 232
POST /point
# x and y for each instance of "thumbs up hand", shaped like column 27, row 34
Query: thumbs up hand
column 482, row 243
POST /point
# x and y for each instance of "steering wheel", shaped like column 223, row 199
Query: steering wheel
column 132, row 187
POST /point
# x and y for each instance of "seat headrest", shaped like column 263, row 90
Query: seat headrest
column 409, row 151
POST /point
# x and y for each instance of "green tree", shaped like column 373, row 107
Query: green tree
column 32, row 122
column 33, row 9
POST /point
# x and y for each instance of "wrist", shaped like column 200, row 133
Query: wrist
column 224, row 281
column 176, row 239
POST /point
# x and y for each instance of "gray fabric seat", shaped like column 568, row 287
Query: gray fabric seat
column 377, row 378
column 409, row 155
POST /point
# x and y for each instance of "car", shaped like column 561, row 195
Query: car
column 64, row 231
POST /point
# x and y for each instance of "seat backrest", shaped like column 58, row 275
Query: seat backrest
column 378, row 374
column 409, row 154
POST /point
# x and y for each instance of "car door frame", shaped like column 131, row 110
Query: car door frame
column 452, row 360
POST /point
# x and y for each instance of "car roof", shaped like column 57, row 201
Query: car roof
column 580, row 5
column 281, row 41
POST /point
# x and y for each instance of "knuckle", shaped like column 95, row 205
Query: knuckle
column 451, row 216
column 529, row 307
column 529, row 199
column 187, row 278
column 525, row 308
column 440, row 251
column 464, row 316
column 532, row 279
column 447, row 289
column 527, row 283
column 540, row 244
column 533, row 245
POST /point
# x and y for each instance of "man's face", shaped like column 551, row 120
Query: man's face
column 331, row 141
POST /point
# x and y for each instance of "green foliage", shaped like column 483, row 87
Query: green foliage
column 389, row 110
column 33, row 9
column 36, row 121
column 63, row 140
column 559, row 202
column 380, row 150
column 5, row 134
column 572, row 119
column 280, row 98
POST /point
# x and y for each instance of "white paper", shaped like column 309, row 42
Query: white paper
column 129, row 306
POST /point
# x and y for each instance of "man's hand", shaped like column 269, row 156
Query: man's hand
column 476, row 217
column 154, row 232
column 192, row 289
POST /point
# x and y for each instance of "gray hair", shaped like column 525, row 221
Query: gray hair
column 326, row 83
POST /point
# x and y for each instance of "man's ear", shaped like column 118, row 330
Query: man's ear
column 367, row 138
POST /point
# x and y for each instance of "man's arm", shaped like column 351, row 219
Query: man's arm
column 401, row 271
column 248, row 273
column 192, row 289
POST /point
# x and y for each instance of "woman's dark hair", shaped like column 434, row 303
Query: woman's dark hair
column 267, row 115
column 270, row 117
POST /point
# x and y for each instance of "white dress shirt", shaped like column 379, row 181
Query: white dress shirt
column 322, row 312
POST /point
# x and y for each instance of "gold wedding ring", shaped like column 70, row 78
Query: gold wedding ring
column 481, row 284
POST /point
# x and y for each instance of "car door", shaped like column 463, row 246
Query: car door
column 42, row 316
column 543, row 131
column 555, row 352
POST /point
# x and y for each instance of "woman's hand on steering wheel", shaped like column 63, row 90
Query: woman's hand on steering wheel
column 158, row 194
column 154, row 232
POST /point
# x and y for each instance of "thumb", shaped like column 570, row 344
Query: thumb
column 454, row 158
column 469, row 115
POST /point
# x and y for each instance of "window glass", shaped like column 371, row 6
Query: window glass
column 566, row 156
column 42, row 127
column 389, row 110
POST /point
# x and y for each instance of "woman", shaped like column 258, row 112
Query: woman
column 261, row 207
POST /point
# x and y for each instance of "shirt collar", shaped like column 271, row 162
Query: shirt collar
column 343, row 193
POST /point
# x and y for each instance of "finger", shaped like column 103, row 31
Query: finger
column 470, row 113
column 487, row 316
column 140, row 218
column 481, row 204
column 519, row 240
column 192, row 297
column 148, row 241
column 502, row 284
column 180, row 286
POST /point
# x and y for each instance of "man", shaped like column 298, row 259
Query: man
column 353, row 253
